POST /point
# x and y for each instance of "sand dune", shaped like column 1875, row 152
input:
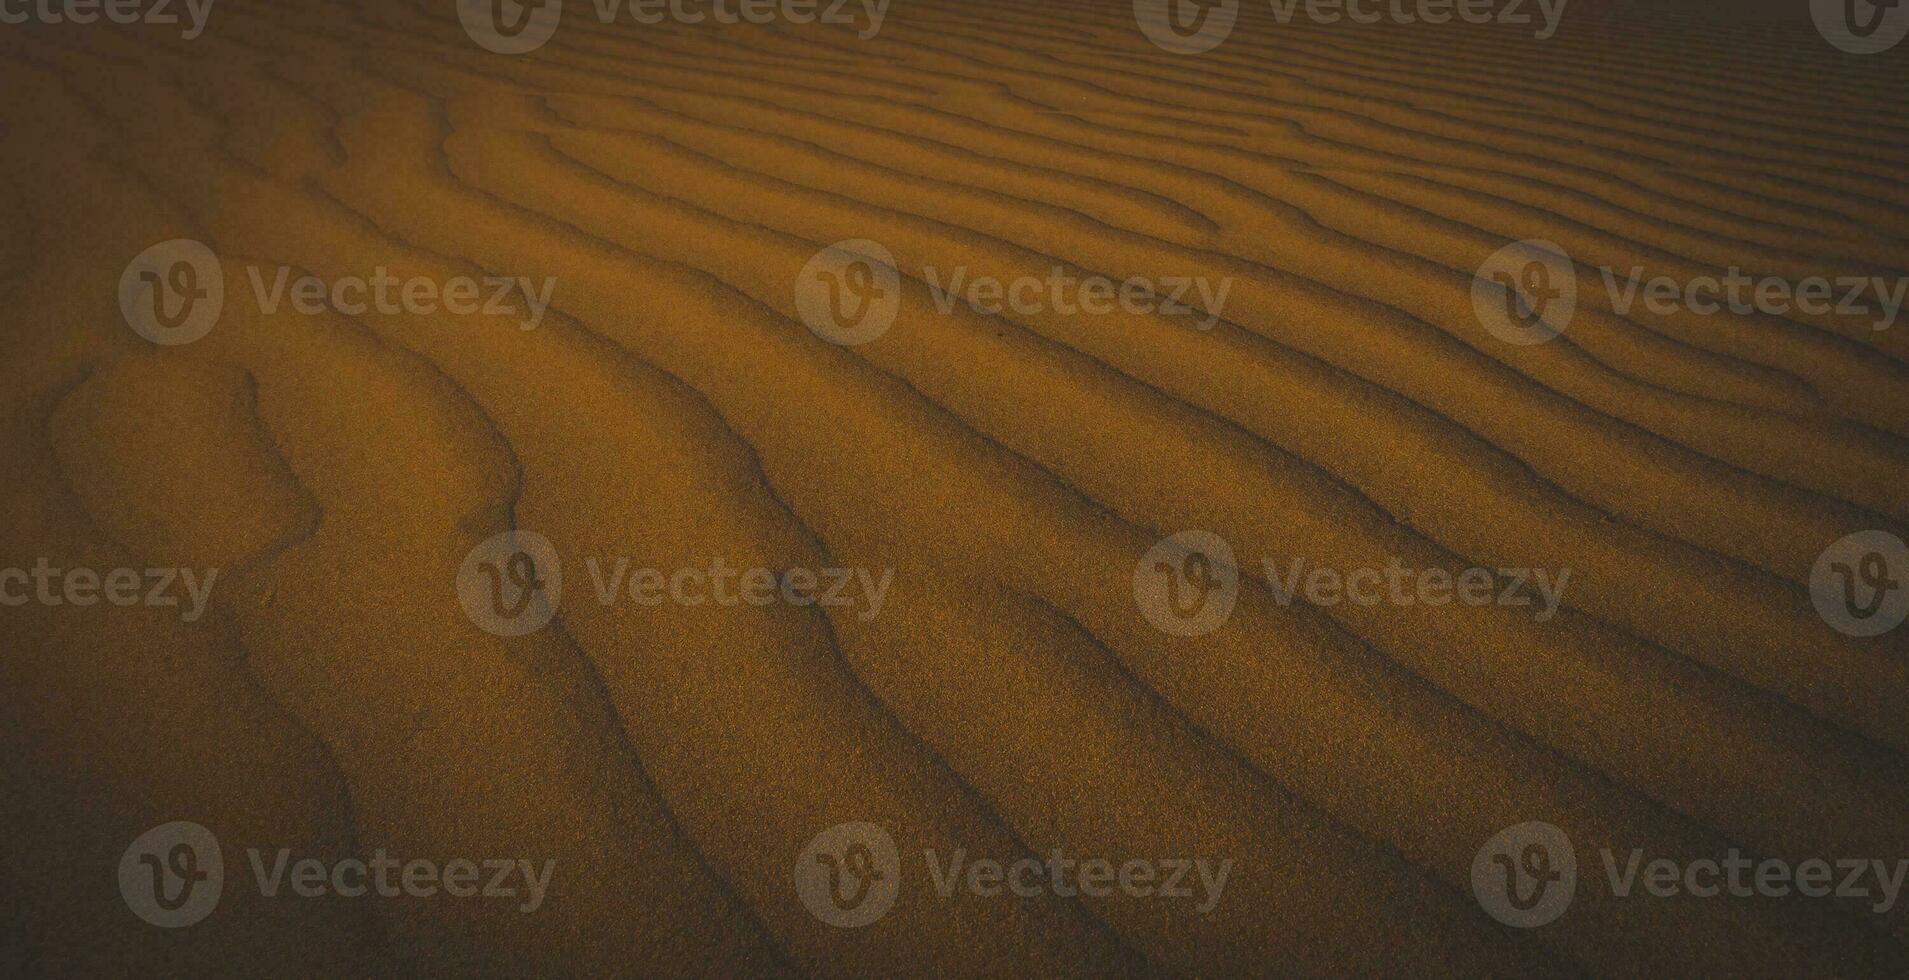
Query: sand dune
column 1006, row 697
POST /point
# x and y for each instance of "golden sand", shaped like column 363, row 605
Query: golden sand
column 1010, row 698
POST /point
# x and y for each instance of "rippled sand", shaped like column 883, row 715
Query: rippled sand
column 1010, row 698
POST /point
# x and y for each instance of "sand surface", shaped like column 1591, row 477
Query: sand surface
column 1011, row 697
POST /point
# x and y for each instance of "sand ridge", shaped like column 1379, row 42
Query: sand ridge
column 1010, row 699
